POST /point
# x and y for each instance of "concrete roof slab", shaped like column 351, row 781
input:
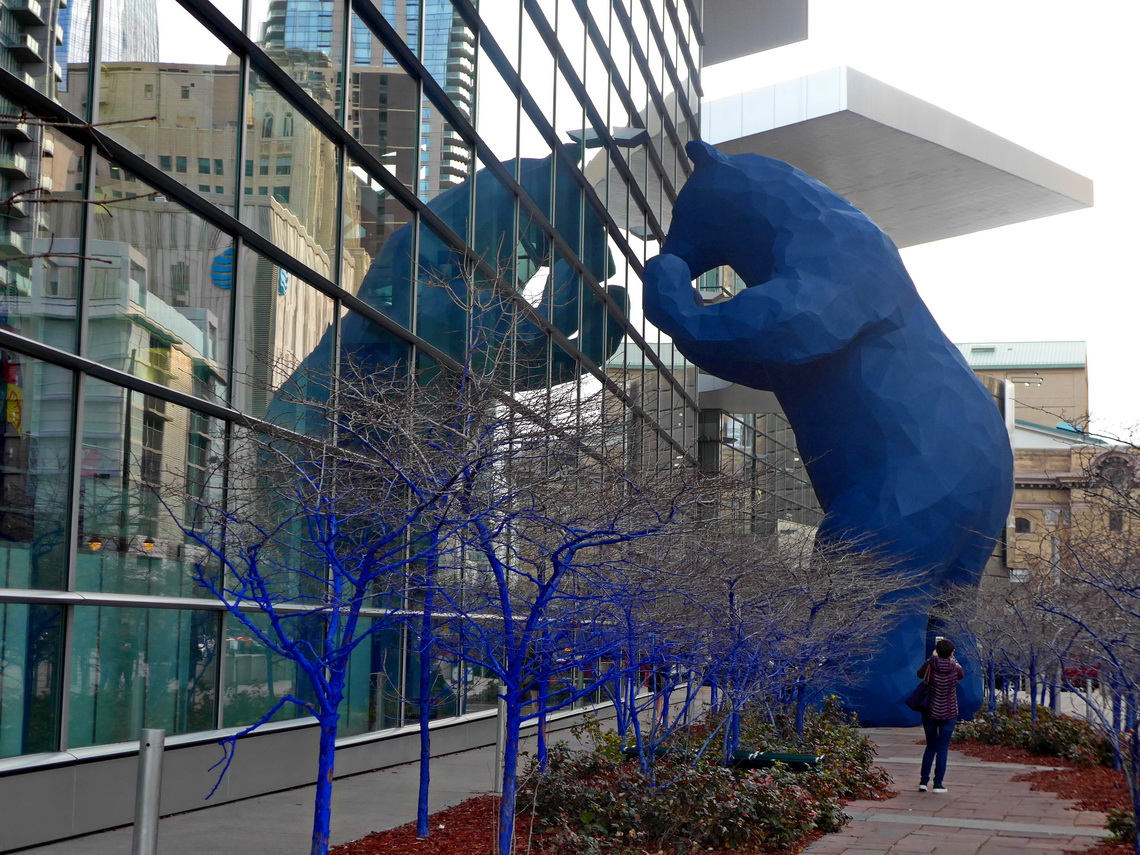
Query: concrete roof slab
column 920, row 172
column 734, row 28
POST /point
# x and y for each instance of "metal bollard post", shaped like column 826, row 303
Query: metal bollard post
column 147, row 791
column 500, row 747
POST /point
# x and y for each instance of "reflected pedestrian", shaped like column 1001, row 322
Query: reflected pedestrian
column 942, row 672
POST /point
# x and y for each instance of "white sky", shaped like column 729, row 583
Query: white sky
column 1060, row 79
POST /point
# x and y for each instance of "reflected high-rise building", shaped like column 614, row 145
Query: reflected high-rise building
column 129, row 32
column 411, row 139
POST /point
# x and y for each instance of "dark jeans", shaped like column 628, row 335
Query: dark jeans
column 938, row 733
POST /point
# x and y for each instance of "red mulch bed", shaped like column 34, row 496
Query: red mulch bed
column 468, row 828
column 1092, row 788
column 1105, row 847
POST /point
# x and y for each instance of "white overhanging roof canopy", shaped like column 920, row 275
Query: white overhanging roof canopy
column 734, row 28
column 920, row 172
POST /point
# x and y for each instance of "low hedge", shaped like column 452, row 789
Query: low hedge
column 1052, row 735
column 592, row 802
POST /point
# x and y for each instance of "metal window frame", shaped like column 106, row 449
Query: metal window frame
column 85, row 131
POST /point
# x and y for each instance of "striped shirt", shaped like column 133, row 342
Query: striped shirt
column 944, row 675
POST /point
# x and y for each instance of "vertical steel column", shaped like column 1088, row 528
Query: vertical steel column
column 500, row 745
column 148, row 789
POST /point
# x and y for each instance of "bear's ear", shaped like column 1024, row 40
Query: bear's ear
column 702, row 154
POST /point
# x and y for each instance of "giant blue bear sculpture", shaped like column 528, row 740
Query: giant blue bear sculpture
column 905, row 448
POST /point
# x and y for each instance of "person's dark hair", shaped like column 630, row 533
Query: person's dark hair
column 944, row 648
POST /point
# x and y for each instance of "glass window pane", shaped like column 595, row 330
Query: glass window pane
column 378, row 240
column 441, row 295
column 30, row 647
column 383, row 106
column 39, row 243
column 449, row 53
column 185, row 106
column 405, row 17
column 160, row 288
column 306, row 38
column 148, row 467
column 305, row 223
column 284, row 331
column 444, row 158
column 537, row 68
column 35, row 466
column 372, row 688
column 136, row 668
column 442, row 681
column 496, row 115
column 367, row 348
column 492, row 234
column 49, row 47
column 256, row 677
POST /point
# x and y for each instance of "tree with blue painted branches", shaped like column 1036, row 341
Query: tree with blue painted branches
column 1088, row 587
column 356, row 507
column 314, row 539
column 550, row 534
column 796, row 622
column 664, row 639
column 337, row 526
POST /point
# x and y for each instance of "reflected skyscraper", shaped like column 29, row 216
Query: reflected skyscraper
column 430, row 157
column 130, row 31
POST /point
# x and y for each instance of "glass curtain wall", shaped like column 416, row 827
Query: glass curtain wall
column 248, row 212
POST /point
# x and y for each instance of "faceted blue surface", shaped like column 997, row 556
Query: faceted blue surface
column 903, row 444
column 438, row 292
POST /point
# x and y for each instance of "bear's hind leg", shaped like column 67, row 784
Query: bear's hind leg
column 880, row 699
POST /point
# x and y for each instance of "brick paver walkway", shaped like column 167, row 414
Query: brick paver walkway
column 984, row 812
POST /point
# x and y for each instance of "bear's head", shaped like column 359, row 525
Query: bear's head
column 716, row 219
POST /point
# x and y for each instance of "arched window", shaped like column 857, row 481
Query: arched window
column 267, row 125
column 287, row 125
column 1022, row 526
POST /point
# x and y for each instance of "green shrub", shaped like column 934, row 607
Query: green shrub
column 848, row 757
column 1121, row 824
column 593, row 802
column 1053, row 735
column 589, row 803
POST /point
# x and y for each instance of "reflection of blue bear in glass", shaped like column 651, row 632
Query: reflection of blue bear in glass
column 442, row 313
column 903, row 444
column 440, row 304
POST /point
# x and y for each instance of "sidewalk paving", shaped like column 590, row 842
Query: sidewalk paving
column 984, row 813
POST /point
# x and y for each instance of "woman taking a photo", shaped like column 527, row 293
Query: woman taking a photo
column 942, row 672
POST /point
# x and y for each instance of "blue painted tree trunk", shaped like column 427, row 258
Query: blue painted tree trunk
column 510, row 772
column 731, row 734
column 322, row 805
column 543, row 699
column 1134, row 785
column 1033, row 689
column 1117, row 758
column 991, row 686
column 423, row 826
column 801, row 710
